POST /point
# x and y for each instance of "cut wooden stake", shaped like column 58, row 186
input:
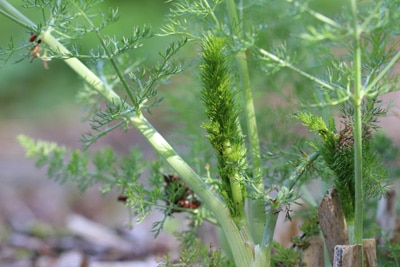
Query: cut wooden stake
column 332, row 222
column 370, row 259
column 350, row 255
column 347, row 256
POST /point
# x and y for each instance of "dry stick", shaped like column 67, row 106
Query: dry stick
column 332, row 222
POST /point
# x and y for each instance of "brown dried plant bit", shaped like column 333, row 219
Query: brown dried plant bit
column 122, row 198
column 35, row 50
column 32, row 38
column 288, row 210
column 45, row 61
column 186, row 199
column 190, row 204
column 346, row 139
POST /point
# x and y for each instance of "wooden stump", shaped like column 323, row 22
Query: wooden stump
column 332, row 222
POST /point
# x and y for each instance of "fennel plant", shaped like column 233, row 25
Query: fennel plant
column 232, row 40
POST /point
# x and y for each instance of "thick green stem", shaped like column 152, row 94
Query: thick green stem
column 10, row 12
column 256, row 208
column 239, row 239
column 80, row 68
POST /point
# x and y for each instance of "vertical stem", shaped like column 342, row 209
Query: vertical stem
column 256, row 208
column 243, row 250
column 357, row 99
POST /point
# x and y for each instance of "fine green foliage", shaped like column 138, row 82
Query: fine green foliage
column 285, row 257
column 328, row 59
column 337, row 150
column 86, row 168
column 223, row 129
column 197, row 254
column 75, row 169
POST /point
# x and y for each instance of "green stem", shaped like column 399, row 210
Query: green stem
column 239, row 239
column 256, row 208
column 81, row 69
column 289, row 183
column 382, row 73
column 312, row 78
column 269, row 229
column 300, row 170
column 110, row 58
column 12, row 13
column 357, row 99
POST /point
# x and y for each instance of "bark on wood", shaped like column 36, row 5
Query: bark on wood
column 350, row 255
column 370, row 259
column 313, row 255
column 347, row 256
column 332, row 222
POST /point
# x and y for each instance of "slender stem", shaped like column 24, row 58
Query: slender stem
column 212, row 13
column 289, row 184
column 357, row 99
column 382, row 73
column 299, row 71
column 110, row 58
column 256, row 208
column 301, row 169
column 238, row 239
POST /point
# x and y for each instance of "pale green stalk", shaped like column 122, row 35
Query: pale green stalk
column 357, row 99
column 12, row 13
column 256, row 208
column 242, row 249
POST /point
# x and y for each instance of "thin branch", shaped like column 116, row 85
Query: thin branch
column 286, row 64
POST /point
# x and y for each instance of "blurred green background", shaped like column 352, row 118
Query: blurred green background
column 42, row 104
column 29, row 92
